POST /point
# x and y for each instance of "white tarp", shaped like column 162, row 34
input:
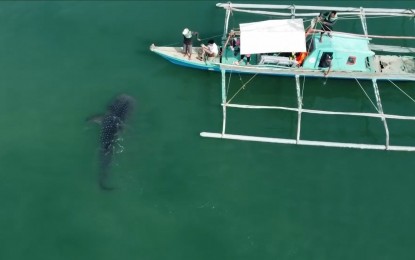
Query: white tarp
column 269, row 36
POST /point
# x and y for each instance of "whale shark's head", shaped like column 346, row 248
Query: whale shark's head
column 122, row 106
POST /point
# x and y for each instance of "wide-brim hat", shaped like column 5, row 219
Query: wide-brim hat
column 187, row 33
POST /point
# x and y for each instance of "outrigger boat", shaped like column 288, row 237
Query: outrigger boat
column 273, row 43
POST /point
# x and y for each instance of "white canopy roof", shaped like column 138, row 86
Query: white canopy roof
column 286, row 35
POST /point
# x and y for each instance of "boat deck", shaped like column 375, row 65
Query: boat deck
column 228, row 56
column 394, row 64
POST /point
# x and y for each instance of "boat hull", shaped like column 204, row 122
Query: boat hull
column 175, row 56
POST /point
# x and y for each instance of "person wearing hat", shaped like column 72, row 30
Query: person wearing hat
column 187, row 42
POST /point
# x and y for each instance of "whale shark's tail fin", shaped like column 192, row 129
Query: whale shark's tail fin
column 106, row 158
column 104, row 186
column 103, row 179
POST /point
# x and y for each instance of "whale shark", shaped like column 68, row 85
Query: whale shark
column 112, row 123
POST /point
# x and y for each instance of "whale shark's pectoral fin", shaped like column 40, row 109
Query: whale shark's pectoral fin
column 95, row 119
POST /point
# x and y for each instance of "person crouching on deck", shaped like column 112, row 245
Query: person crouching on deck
column 326, row 62
column 211, row 50
column 328, row 20
column 187, row 42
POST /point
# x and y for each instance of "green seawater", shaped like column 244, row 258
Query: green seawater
column 178, row 195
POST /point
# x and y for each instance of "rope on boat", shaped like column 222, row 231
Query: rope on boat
column 367, row 95
column 240, row 78
column 302, row 91
column 312, row 27
column 402, row 90
column 363, row 20
column 243, row 87
column 214, row 36
column 229, row 84
column 201, row 39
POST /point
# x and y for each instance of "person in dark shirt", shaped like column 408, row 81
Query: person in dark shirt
column 187, row 42
column 235, row 45
column 325, row 62
column 327, row 20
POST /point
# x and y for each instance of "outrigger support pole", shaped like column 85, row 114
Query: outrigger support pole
column 225, row 28
column 300, row 110
column 363, row 20
column 224, row 103
column 293, row 12
column 300, row 106
column 380, row 109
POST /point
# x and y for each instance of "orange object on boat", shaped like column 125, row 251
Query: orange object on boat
column 300, row 57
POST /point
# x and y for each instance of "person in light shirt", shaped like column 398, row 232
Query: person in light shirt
column 211, row 50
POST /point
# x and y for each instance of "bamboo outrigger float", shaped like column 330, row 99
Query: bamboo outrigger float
column 353, row 57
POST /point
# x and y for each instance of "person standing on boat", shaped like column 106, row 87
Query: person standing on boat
column 236, row 47
column 327, row 20
column 248, row 59
column 234, row 43
column 187, row 42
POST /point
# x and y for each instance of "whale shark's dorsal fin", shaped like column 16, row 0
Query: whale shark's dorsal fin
column 95, row 119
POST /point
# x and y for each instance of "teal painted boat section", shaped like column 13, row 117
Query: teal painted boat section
column 349, row 53
column 190, row 64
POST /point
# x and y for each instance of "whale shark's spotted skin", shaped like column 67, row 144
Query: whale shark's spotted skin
column 111, row 125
